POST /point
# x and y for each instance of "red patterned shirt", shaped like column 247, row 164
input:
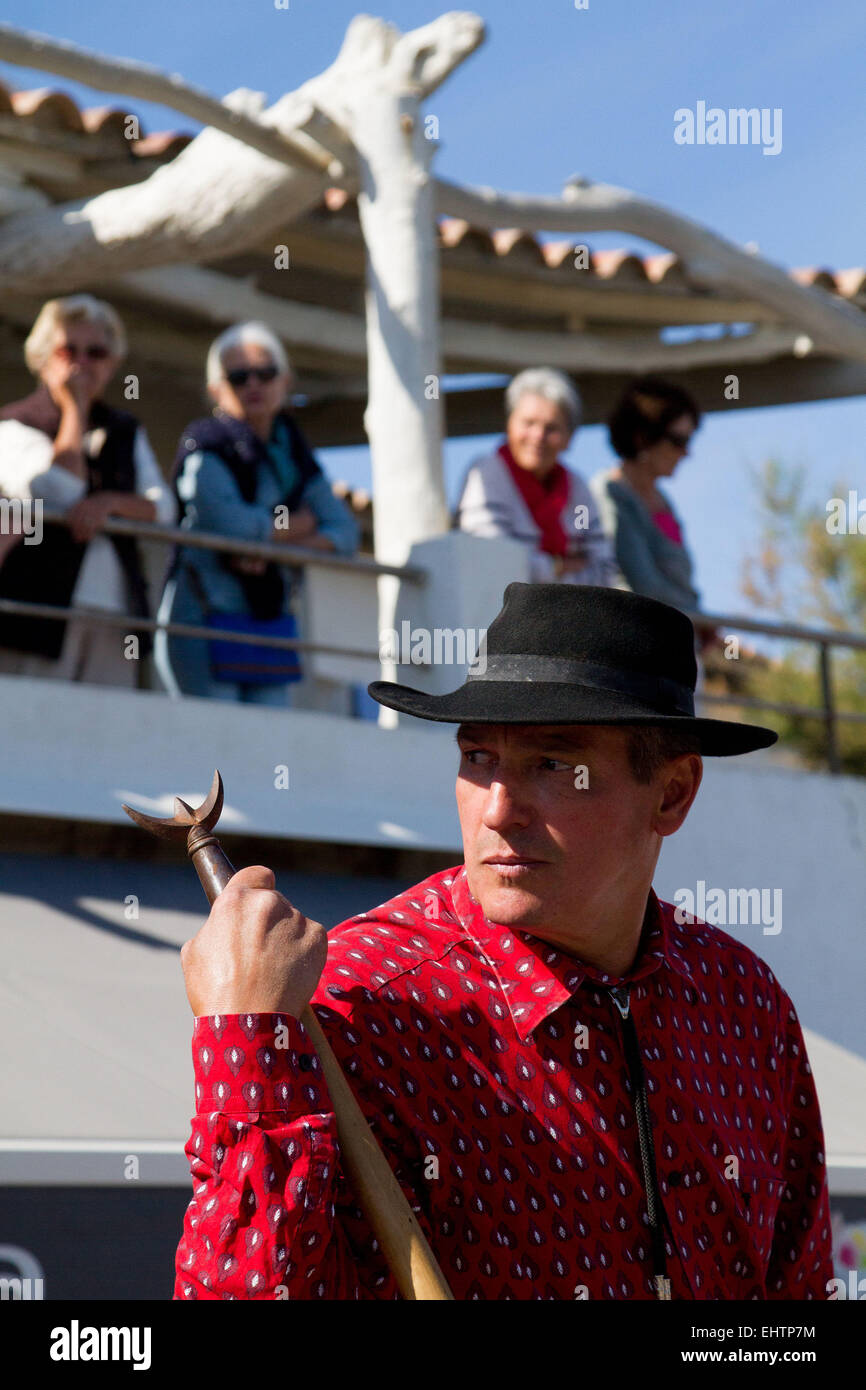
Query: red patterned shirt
column 492, row 1069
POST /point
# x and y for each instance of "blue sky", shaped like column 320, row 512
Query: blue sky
column 556, row 91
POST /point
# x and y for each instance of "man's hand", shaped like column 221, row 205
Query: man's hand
column 255, row 953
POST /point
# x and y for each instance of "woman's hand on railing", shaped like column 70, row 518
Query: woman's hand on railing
column 247, row 564
column 302, row 525
column 87, row 516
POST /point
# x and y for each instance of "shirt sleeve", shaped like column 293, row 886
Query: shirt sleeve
column 801, row 1258
column 481, row 511
column 334, row 518
column 486, row 510
column 150, row 483
column 215, row 503
column 27, row 469
column 272, row 1215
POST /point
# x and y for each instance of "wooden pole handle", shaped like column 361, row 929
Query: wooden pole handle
column 404, row 1245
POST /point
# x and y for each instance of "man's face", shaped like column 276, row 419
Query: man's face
column 546, row 845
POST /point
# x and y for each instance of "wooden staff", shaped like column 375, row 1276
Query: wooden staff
column 403, row 1243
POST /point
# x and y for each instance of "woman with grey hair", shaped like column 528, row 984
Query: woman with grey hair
column 64, row 448
column 522, row 490
column 246, row 472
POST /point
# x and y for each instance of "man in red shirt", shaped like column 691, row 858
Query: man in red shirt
column 582, row 1094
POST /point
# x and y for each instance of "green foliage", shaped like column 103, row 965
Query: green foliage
column 803, row 574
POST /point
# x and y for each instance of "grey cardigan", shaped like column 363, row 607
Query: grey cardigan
column 650, row 562
column 491, row 505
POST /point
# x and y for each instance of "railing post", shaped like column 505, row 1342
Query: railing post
column 829, row 707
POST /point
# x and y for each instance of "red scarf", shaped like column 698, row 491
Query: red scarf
column 546, row 499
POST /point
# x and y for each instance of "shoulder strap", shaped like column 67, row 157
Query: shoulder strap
column 304, row 460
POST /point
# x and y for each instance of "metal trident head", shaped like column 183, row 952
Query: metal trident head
column 185, row 820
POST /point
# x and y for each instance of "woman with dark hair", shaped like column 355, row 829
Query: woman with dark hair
column 650, row 431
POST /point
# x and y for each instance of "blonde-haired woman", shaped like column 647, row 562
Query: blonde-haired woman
column 63, row 447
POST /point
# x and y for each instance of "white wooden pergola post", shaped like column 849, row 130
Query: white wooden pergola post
column 396, row 205
column 403, row 419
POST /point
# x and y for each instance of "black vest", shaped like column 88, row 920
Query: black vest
column 244, row 453
column 47, row 573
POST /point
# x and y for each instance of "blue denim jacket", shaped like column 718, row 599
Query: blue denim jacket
column 214, row 504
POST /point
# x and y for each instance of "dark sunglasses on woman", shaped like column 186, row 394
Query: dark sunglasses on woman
column 239, row 376
column 94, row 353
column 681, row 441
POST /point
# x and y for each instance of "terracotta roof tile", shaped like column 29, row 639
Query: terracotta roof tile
column 454, row 232
column 664, row 268
column 56, row 110
column 556, row 253
column 660, row 269
column 851, row 282
column 335, row 199
column 162, row 144
column 52, row 110
column 619, row 265
column 813, row 277
column 103, row 120
column 510, row 242
column 48, row 109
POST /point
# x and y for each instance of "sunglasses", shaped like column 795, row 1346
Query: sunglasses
column 94, row 353
column 239, row 376
column 682, row 441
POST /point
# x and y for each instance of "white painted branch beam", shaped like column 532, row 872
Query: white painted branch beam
column 381, row 109
column 147, row 83
column 213, row 199
column 403, row 418
column 833, row 325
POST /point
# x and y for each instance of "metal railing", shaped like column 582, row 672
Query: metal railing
column 824, row 639
column 284, row 554
column 297, row 557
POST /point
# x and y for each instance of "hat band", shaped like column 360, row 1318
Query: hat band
column 652, row 690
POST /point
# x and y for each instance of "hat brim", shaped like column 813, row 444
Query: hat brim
column 540, row 702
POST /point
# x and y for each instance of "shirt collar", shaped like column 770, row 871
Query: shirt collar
column 537, row 977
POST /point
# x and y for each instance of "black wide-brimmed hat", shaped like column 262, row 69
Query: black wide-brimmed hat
column 580, row 654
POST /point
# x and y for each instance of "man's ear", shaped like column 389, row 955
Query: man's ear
column 679, row 781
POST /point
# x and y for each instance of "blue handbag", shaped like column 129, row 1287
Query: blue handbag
column 243, row 663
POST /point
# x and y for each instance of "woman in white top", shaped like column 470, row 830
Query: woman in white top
column 522, row 490
column 64, row 449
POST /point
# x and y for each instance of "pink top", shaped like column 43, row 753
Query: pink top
column 668, row 524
